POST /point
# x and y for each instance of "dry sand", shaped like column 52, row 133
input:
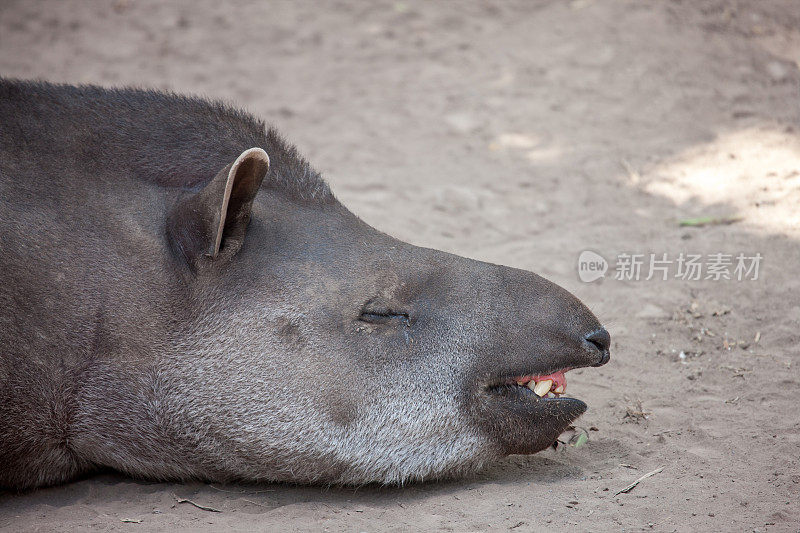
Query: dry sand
column 520, row 133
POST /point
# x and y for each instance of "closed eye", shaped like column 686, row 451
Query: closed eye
column 384, row 317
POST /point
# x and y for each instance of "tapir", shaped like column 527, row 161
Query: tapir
column 183, row 297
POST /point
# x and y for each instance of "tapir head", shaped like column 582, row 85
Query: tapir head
column 315, row 348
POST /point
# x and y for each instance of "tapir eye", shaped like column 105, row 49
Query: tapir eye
column 379, row 314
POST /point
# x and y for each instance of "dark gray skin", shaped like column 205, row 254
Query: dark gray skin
column 175, row 305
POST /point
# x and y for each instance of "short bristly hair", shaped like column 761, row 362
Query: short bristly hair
column 164, row 138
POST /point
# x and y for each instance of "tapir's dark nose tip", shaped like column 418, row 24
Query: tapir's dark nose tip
column 600, row 339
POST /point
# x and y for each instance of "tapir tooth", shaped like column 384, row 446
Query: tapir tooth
column 543, row 387
column 559, row 389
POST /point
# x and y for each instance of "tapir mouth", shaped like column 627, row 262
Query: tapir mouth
column 537, row 388
column 527, row 411
column 545, row 387
column 520, row 400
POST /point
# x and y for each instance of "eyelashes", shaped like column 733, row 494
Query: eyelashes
column 381, row 316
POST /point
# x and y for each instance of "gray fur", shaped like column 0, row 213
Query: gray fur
column 124, row 344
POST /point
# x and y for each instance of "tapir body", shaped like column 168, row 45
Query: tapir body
column 183, row 297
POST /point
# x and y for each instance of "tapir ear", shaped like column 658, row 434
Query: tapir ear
column 212, row 222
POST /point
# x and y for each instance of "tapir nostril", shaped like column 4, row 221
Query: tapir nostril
column 601, row 340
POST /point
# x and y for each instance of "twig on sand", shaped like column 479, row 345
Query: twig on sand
column 633, row 175
column 254, row 503
column 709, row 221
column 632, row 485
column 637, row 413
column 241, row 491
column 202, row 507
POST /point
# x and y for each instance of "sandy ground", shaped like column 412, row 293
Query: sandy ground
column 520, row 133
